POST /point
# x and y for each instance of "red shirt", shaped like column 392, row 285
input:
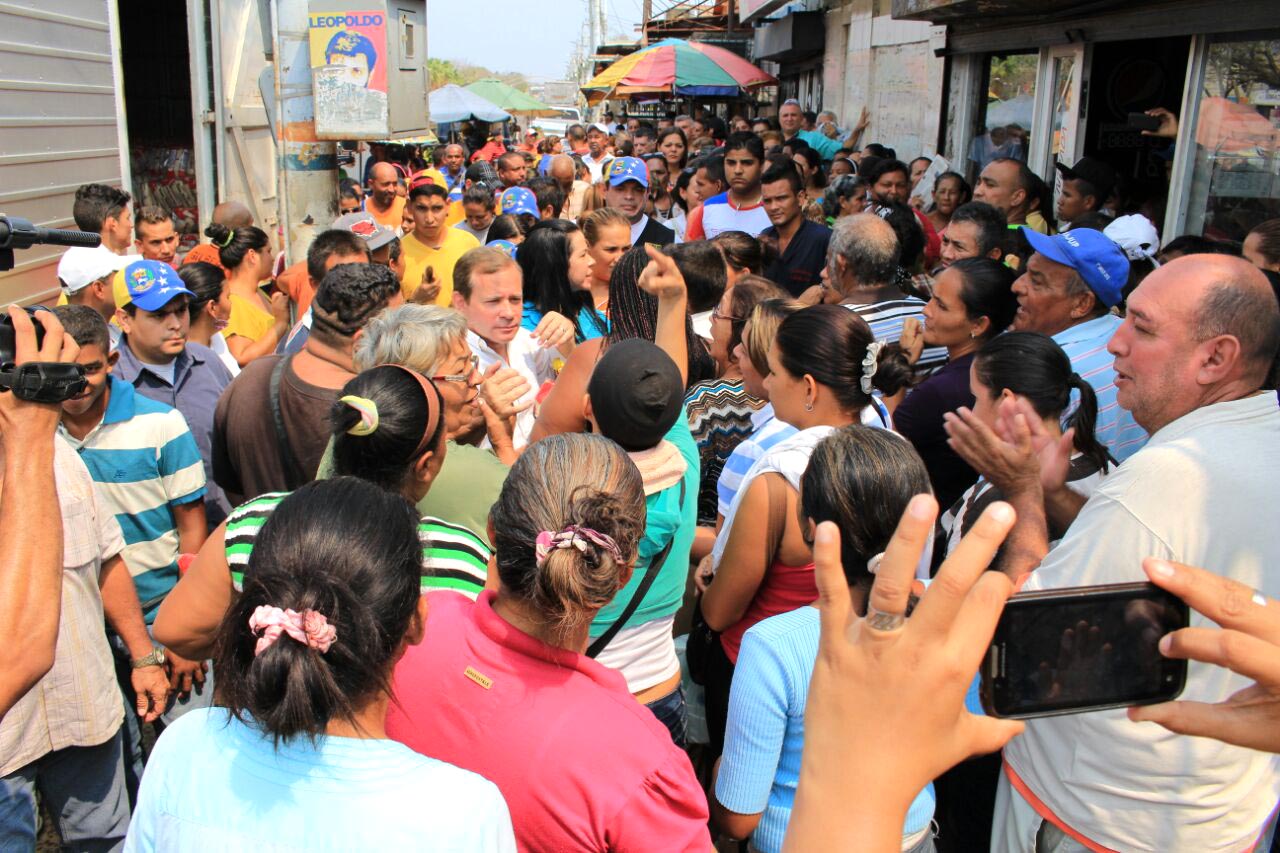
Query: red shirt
column 932, row 241
column 582, row 765
column 785, row 588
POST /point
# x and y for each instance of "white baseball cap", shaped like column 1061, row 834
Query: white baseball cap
column 79, row 267
column 1135, row 235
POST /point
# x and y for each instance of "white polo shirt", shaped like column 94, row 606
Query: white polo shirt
column 1202, row 491
column 526, row 357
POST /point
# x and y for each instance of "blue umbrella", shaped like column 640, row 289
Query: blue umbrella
column 453, row 103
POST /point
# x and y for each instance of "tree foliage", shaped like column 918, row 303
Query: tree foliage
column 442, row 72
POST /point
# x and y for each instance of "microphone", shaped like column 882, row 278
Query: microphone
column 18, row 233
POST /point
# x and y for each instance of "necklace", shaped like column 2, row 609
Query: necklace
column 757, row 200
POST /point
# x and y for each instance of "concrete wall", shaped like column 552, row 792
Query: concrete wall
column 887, row 66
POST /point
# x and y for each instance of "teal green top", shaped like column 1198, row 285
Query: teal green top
column 464, row 490
column 665, row 519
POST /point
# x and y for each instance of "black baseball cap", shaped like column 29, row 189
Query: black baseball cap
column 636, row 394
column 1095, row 172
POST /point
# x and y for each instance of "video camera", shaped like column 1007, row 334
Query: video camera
column 36, row 381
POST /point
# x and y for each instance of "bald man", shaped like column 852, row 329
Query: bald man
column 383, row 202
column 233, row 214
column 1192, row 358
column 562, row 170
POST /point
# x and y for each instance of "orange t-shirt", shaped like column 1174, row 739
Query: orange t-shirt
column 393, row 217
column 297, row 283
column 205, row 253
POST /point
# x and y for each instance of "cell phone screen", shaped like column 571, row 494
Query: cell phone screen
column 1084, row 649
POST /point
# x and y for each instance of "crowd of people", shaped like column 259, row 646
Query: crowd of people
column 649, row 489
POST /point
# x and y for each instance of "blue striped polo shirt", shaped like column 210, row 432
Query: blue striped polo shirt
column 1086, row 345
column 144, row 461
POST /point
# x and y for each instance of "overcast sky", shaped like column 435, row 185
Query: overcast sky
column 534, row 37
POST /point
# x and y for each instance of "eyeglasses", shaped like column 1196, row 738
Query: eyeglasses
column 716, row 315
column 474, row 361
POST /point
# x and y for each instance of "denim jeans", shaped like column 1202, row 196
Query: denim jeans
column 670, row 712
column 84, row 789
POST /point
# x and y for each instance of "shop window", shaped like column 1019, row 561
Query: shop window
column 1235, row 181
column 1004, row 124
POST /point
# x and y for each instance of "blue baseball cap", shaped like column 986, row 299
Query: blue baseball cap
column 519, row 200
column 1097, row 260
column 506, row 247
column 624, row 169
column 152, row 284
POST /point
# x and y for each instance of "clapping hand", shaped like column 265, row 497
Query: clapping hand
column 1010, row 464
column 503, row 389
column 555, row 330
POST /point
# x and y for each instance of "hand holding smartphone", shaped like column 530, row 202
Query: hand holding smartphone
column 1067, row 651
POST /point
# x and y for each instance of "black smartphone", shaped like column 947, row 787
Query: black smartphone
column 1065, row 651
column 1142, row 121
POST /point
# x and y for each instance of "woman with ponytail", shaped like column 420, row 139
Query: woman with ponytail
column 1031, row 368
column 296, row 754
column 824, row 367
column 502, row 686
column 388, row 430
column 258, row 321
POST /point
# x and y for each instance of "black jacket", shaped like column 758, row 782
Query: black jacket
column 656, row 232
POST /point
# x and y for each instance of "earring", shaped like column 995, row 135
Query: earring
column 808, row 407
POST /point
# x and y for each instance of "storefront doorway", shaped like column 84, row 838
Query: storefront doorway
column 1128, row 77
column 156, row 67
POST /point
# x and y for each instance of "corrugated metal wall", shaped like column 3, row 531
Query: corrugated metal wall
column 58, row 123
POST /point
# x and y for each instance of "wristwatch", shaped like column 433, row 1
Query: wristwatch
column 156, row 658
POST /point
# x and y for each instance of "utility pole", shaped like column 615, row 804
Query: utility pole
column 645, row 14
column 594, row 30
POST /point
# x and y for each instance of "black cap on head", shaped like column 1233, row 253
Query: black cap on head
column 1096, row 172
column 636, row 394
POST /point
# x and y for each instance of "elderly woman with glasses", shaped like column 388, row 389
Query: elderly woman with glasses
column 389, row 429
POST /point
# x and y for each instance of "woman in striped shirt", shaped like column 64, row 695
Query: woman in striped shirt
column 388, row 426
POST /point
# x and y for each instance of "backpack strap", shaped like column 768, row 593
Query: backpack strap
column 292, row 472
column 650, row 575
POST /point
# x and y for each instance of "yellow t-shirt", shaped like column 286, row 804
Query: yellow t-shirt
column 1036, row 222
column 393, row 218
column 456, row 214
column 248, row 319
column 417, row 257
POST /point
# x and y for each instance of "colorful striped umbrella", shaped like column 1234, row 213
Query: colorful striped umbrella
column 678, row 67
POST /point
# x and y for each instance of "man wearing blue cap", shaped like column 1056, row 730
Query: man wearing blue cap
column 627, row 191
column 156, row 358
column 1067, row 291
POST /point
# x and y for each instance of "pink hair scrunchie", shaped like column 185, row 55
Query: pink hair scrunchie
column 310, row 627
column 573, row 537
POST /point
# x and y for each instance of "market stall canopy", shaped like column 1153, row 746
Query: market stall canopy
column 1227, row 127
column 509, row 98
column 677, row 67
column 453, row 103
